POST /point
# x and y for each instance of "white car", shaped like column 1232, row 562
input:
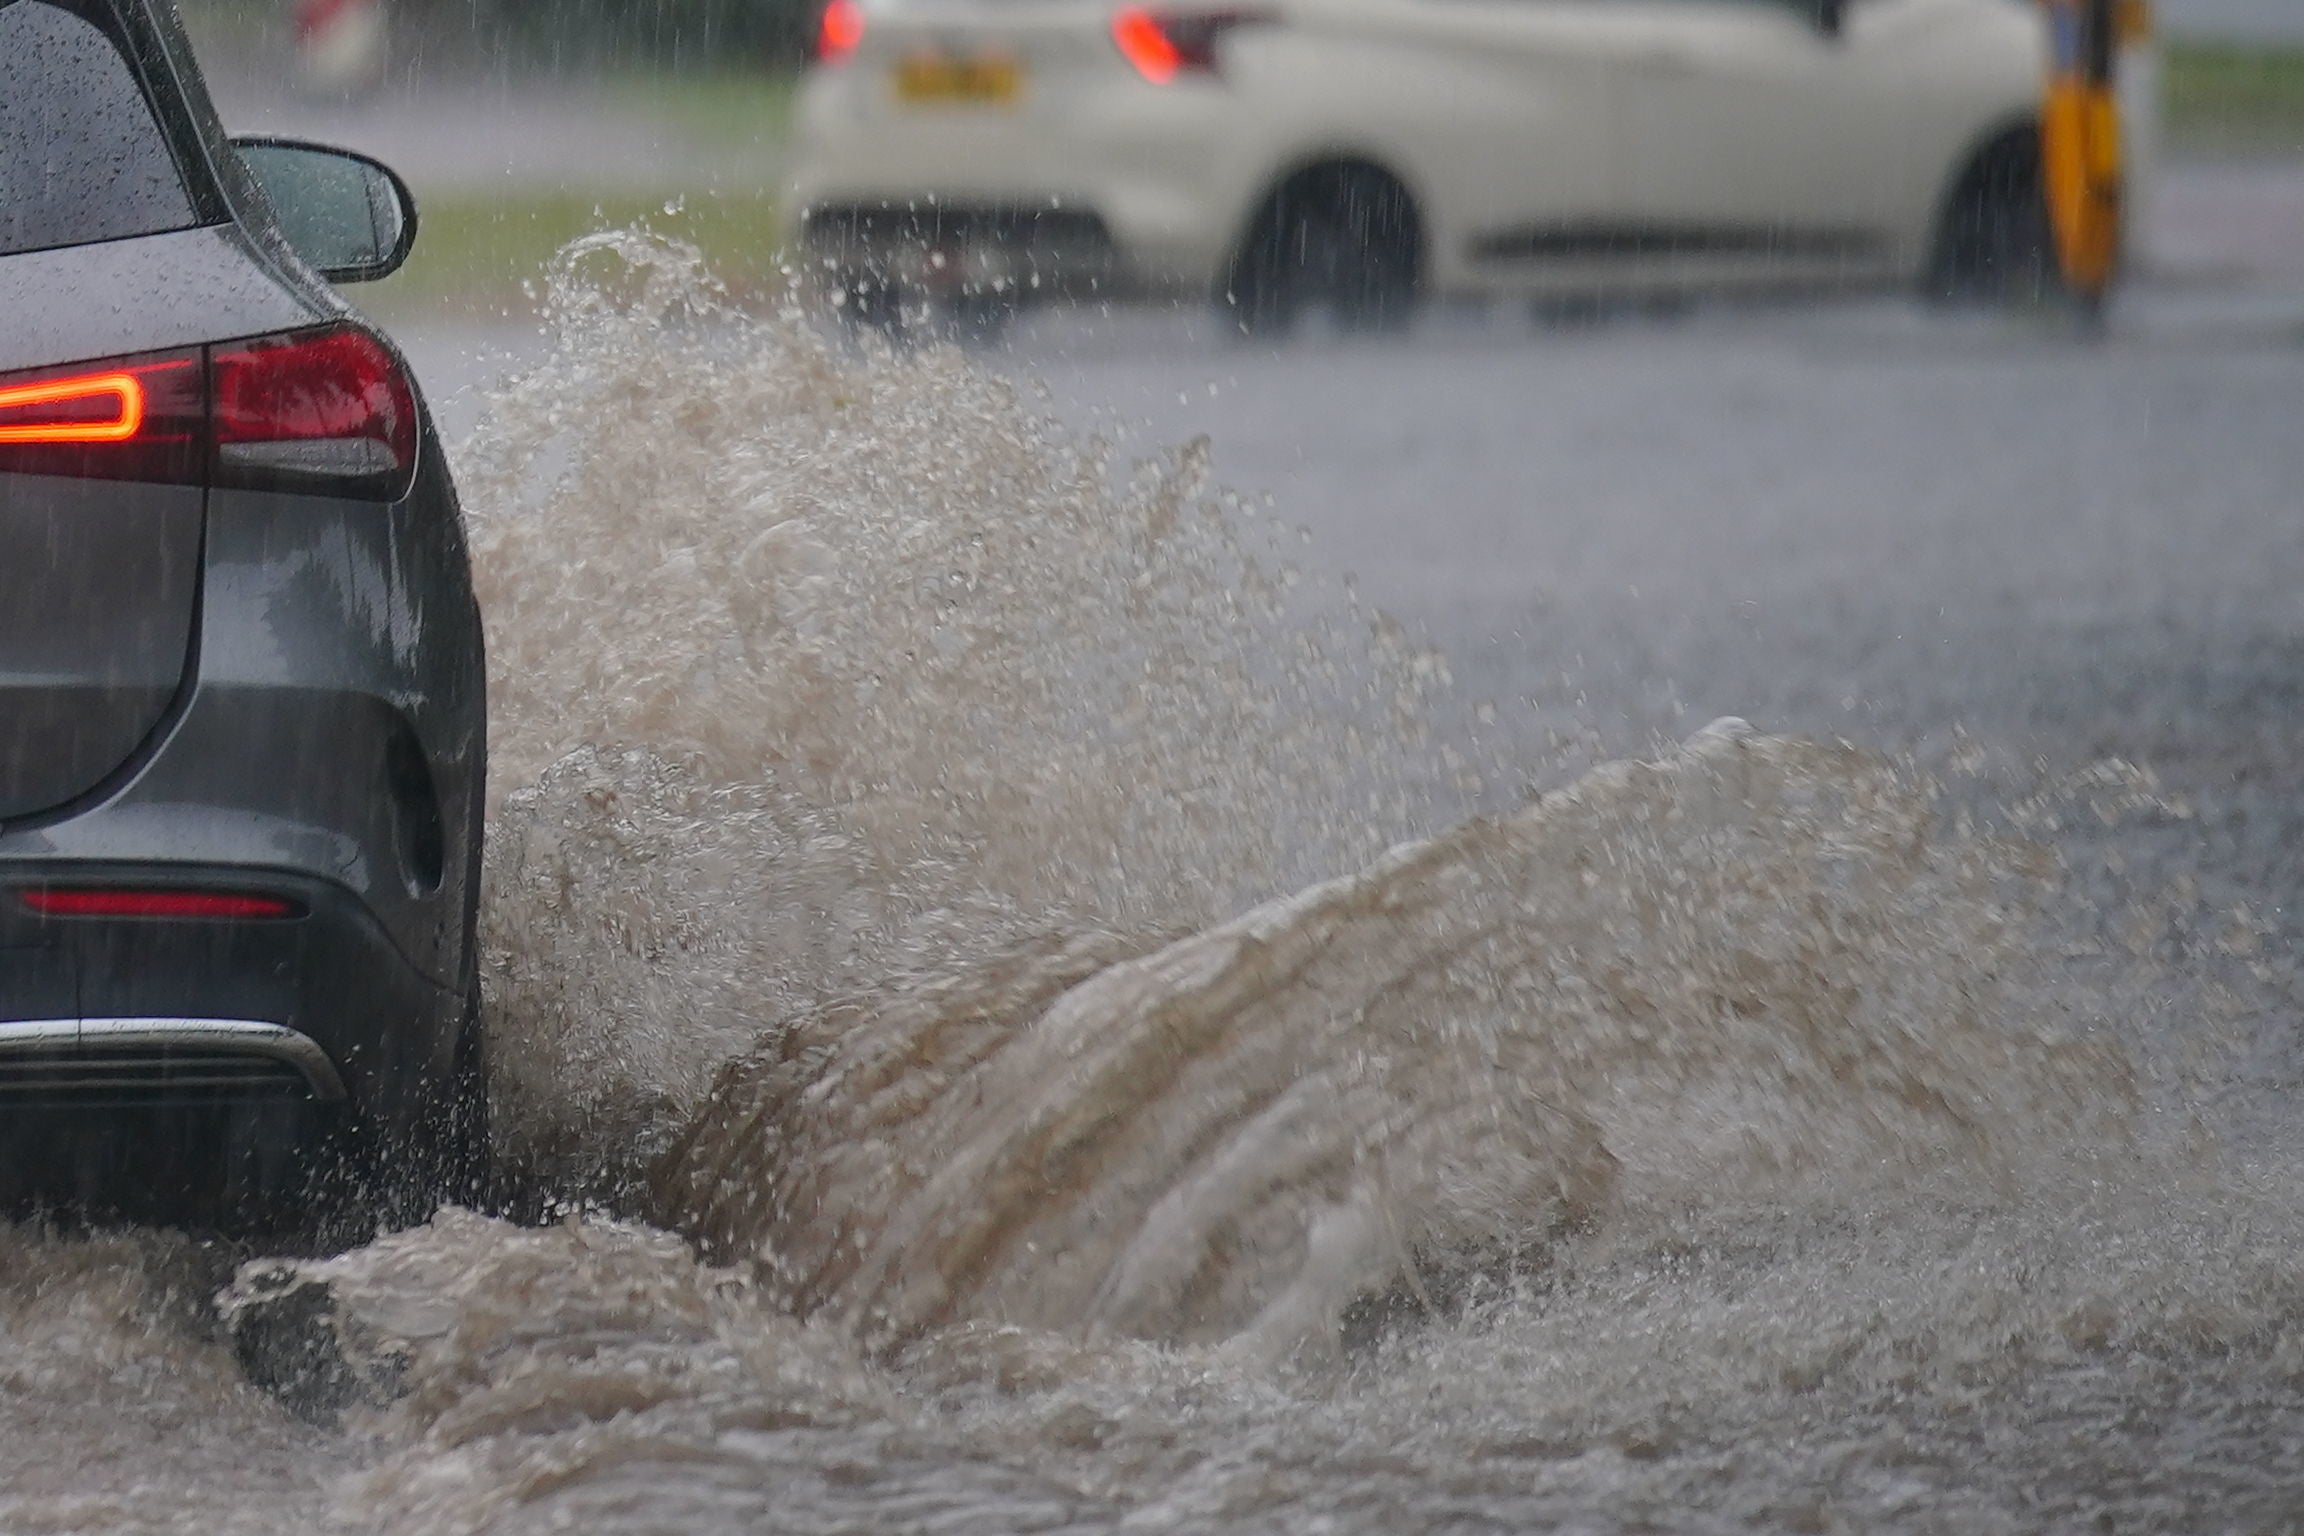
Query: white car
column 1357, row 154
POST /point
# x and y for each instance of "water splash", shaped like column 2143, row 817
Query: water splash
column 120, row 1409
column 862, row 730
column 1736, row 968
column 810, row 668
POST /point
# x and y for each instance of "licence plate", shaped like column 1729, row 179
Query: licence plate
column 994, row 79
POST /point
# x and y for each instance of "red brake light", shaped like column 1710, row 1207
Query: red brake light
column 324, row 409
column 1163, row 44
column 329, row 406
column 130, row 419
column 1143, row 44
column 839, row 30
column 143, row 903
column 88, row 408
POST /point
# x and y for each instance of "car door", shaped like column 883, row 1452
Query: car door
column 1507, row 113
column 1762, row 142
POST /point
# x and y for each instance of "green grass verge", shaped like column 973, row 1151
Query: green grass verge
column 737, row 109
column 484, row 253
column 2222, row 98
column 481, row 255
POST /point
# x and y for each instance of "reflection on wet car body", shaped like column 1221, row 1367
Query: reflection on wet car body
column 242, row 730
column 1356, row 155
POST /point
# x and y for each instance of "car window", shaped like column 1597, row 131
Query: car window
column 82, row 158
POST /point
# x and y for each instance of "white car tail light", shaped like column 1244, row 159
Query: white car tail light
column 839, row 31
column 1163, row 44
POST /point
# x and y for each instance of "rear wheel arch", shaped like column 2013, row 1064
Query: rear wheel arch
column 1373, row 239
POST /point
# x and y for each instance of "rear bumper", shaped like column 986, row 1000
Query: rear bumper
column 105, row 1063
column 965, row 249
column 1012, row 241
column 156, row 1003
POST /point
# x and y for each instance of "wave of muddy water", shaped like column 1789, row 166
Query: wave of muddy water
column 1055, row 1036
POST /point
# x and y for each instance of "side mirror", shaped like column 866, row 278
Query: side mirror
column 347, row 215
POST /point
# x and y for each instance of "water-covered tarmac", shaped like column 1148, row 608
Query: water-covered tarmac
column 1085, row 1024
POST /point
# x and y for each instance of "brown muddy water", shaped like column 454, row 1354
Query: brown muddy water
column 1041, row 1018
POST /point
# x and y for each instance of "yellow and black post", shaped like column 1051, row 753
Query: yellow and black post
column 2080, row 149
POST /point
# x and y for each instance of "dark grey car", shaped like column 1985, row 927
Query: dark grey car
column 242, row 724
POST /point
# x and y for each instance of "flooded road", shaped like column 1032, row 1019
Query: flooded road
column 1077, row 1021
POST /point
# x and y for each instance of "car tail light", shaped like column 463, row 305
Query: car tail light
column 87, row 408
column 139, row 418
column 121, row 901
column 839, row 31
column 1162, row 44
column 326, row 409
column 323, row 407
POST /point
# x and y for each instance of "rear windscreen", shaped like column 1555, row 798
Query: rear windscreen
column 81, row 157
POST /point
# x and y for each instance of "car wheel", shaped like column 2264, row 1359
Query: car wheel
column 1343, row 238
column 466, row 1164
column 456, row 1170
column 1993, row 242
column 401, row 1178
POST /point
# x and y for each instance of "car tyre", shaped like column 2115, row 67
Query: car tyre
column 1994, row 244
column 401, row 1178
column 466, row 1168
column 1343, row 238
column 457, row 1167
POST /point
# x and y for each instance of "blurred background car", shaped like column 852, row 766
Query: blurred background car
column 1354, row 155
column 242, row 713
